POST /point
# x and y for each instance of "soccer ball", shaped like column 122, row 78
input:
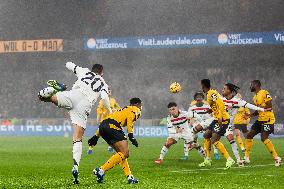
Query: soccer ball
column 175, row 87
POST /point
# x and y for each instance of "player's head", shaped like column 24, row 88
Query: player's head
column 136, row 102
column 173, row 109
column 230, row 88
column 98, row 69
column 199, row 96
column 255, row 85
column 205, row 83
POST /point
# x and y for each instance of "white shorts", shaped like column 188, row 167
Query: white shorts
column 205, row 123
column 185, row 134
column 78, row 105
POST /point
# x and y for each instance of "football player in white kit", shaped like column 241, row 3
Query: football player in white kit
column 233, row 102
column 202, row 108
column 79, row 101
column 179, row 128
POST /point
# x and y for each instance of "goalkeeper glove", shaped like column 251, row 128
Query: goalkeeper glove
column 132, row 139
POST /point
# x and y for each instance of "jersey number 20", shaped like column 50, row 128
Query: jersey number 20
column 96, row 83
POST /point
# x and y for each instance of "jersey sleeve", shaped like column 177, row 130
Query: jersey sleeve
column 245, row 104
column 132, row 116
column 220, row 108
column 76, row 69
column 171, row 128
column 116, row 105
column 266, row 96
column 105, row 98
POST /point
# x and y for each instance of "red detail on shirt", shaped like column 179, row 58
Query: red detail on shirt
column 230, row 101
column 177, row 119
column 200, row 109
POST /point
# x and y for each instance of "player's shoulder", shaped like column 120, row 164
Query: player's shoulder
column 213, row 94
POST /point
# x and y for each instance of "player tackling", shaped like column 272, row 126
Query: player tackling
column 79, row 101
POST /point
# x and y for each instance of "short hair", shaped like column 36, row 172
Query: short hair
column 206, row 83
column 232, row 87
column 97, row 68
column 172, row 104
column 134, row 101
column 199, row 93
column 257, row 82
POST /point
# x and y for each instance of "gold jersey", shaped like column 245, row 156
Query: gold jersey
column 260, row 99
column 217, row 105
column 103, row 112
column 240, row 116
column 125, row 117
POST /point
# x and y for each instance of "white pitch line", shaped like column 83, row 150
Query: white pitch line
column 220, row 168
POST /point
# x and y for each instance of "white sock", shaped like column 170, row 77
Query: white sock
column 201, row 152
column 235, row 149
column 185, row 149
column 47, row 92
column 163, row 152
column 77, row 152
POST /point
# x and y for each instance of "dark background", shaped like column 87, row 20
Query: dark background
column 145, row 73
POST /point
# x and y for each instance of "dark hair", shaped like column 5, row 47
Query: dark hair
column 172, row 104
column 232, row 87
column 97, row 68
column 257, row 82
column 134, row 101
column 197, row 94
column 206, row 83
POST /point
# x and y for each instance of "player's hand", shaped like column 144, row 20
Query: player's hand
column 132, row 139
column 209, row 111
column 267, row 109
column 90, row 150
column 93, row 141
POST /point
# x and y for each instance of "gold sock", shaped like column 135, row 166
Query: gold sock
column 249, row 143
column 240, row 141
column 270, row 147
column 125, row 167
column 207, row 147
column 114, row 160
column 222, row 149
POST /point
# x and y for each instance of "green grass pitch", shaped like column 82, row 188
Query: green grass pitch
column 45, row 162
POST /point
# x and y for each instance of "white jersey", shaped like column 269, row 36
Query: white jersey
column 235, row 103
column 202, row 111
column 90, row 84
column 181, row 121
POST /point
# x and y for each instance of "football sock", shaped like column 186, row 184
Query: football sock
column 125, row 167
column 77, row 152
column 270, row 147
column 222, row 149
column 185, row 149
column 207, row 147
column 113, row 160
column 201, row 151
column 249, row 143
column 163, row 152
column 235, row 149
column 240, row 142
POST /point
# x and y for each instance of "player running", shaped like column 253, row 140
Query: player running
column 79, row 101
column 202, row 108
column 218, row 126
column 233, row 102
column 111, row 131
column 264, row 123
column 240, row 125
column 179, row 128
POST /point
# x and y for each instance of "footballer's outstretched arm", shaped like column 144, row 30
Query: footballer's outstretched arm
column 245, row 104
